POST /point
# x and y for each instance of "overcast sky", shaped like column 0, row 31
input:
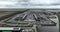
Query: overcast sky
column 18, row 3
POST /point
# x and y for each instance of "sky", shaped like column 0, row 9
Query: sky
column 30, row 3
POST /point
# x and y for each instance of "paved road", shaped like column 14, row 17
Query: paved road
column 51, row 28
column 43, row 28
column 48, row 28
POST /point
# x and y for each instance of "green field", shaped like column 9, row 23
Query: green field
column 6, row 12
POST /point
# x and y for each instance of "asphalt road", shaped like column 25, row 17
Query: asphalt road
column 42, row 28
column 51, row 28
column 46, row 28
